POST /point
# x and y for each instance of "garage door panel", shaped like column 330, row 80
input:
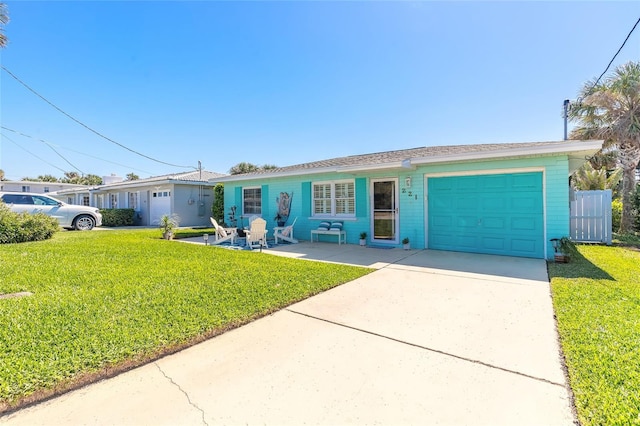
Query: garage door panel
column 466, row 203
column 466, row 221
column 466, row 241
column 525, row 180
column 494, row 223
column 493, row 243
column 442, row 222
column 494, row 182
column 493, row 203
column 523, row 246
column 495, row 214
column 524, row 224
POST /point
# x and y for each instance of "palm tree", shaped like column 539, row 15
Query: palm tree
column 4, row 19
column 610, row 110
column 588, row 178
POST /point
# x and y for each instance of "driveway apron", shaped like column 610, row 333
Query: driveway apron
column 428, row 338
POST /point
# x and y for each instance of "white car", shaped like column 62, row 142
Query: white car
column 70, row 216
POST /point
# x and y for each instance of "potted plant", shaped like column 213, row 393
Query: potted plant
column 563, row 248
column 363, row 238
column 279, row 220
column 405, row 243
column 167, row 224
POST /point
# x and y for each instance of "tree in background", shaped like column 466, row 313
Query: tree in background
column 243, row 167
column 587, row 178
column 132, row 176
column 610, row 110
column 1, row 174
column 41, row 178
column 4, row 19
column 74, row 177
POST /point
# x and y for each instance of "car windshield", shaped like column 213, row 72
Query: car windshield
column 44, row 201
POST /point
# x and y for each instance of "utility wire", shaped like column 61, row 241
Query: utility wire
column 614, row 56
column 89, row 128
column 73, row 150
column 31, row 153
column 52, row 148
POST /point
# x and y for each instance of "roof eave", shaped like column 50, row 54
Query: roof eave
column 574, row 149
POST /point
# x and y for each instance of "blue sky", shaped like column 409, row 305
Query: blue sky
column 290, row 82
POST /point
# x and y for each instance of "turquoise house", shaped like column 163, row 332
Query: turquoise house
column 505, row 199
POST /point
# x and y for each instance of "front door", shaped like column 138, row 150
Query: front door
column 384, row 219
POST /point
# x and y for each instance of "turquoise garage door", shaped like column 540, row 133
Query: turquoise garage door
column 492, row 214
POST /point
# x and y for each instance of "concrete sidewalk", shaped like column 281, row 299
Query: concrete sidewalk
column 429, row 338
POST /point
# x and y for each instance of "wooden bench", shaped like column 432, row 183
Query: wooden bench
column 342, row 235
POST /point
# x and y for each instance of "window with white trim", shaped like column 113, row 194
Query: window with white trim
column 334, row 198
column 113, row 201
column 252, row 201
column 85, row 200
column 26, row 188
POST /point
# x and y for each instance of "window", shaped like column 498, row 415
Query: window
column 252, row 201
column 46, row 189
column 334, row 198
column 26, row 188
column 85, row 200
column 133, row 200
column 113, row 201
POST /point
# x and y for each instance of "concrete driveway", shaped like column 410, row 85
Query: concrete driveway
column 429, row 338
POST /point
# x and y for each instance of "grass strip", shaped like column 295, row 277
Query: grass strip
column 597, row 302
column 103, row 301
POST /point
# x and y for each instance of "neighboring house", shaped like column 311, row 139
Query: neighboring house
column 186, row 195
column 506, row 199
column 37, row 187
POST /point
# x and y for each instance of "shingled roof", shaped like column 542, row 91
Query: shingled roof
column 407, row 158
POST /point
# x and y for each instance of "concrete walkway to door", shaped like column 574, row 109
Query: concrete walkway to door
column 429, row 338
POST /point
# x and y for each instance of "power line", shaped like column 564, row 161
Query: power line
column 89, row 128
column 567, row 103
column 52, row 148
column 614, row 56
column 72, row 150
column 31, row 153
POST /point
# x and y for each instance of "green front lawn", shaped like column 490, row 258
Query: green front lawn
column 104, row 301
column 597, row 302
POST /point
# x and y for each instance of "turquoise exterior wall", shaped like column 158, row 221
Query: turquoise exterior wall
column 412, row 200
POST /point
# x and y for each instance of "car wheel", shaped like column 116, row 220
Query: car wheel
column 84, row 223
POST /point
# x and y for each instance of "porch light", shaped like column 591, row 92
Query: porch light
column 407, row 182
column 554, row 243
column 205, row 237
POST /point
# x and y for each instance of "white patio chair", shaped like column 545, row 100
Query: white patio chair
column 285, row 233
column 222, row 235
column 257, row 234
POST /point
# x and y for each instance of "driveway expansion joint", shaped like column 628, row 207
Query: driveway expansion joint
column 204, row 421
column 462, row 358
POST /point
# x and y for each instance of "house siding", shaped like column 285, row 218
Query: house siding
column 412, row 200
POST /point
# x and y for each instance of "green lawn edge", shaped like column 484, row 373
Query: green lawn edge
column 596, row 298
column 107, row 301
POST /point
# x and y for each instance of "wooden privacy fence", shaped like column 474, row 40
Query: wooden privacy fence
column 591, row 216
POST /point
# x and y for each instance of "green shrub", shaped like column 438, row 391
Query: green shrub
column 616, row 214
column 23, row 227
column 636, row 208
column 217, row 209
column 117, row 217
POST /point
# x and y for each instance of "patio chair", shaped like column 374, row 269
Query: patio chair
column 257, row 234
column 285, row 233
column 222, row 235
